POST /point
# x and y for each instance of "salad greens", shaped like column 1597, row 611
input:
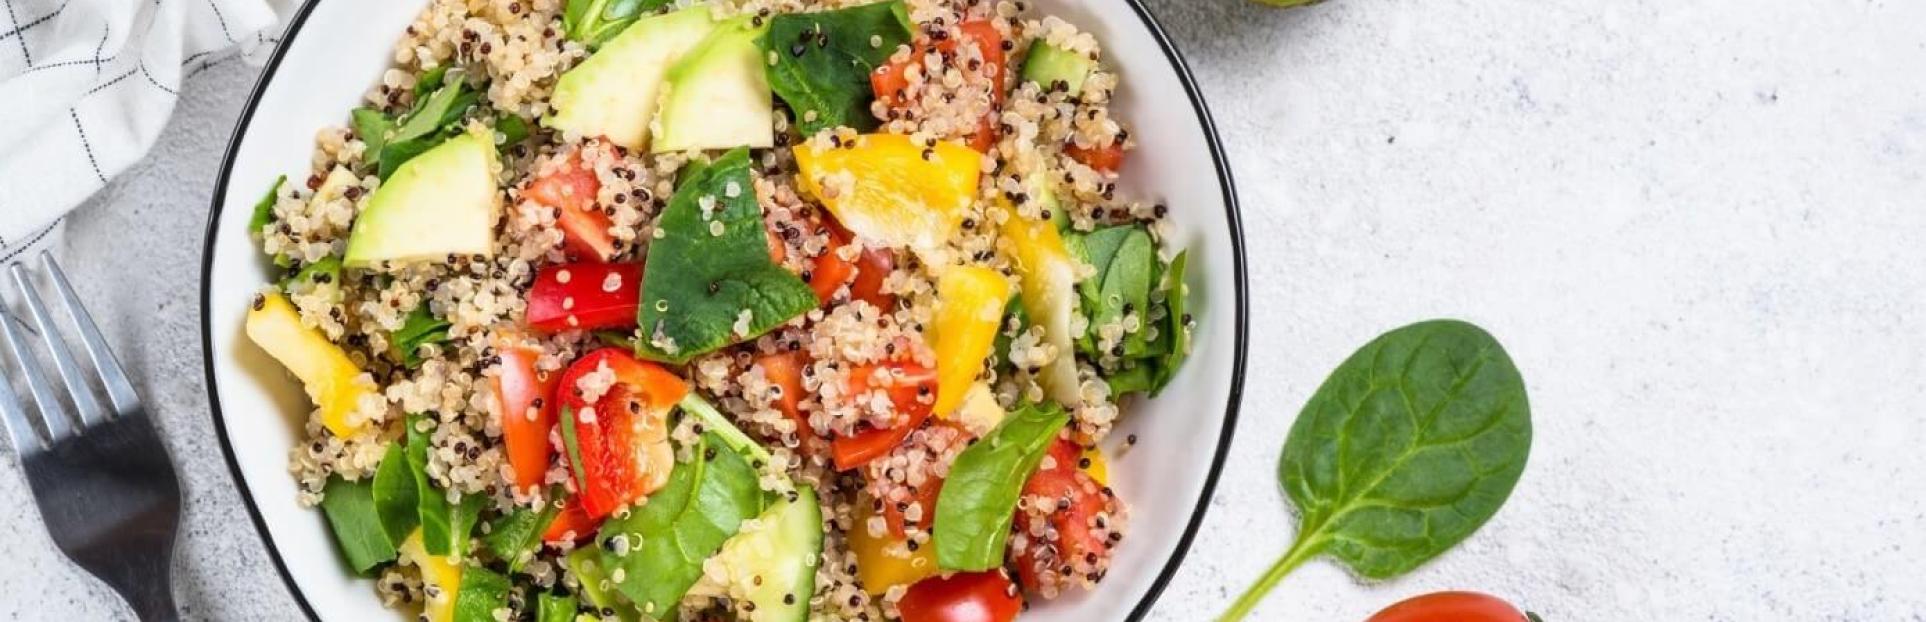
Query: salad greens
column 1409, row 447
column 823, row 61
column 515, row 536
column 420, row 328
column 351, row 513
column 978, row 500
column 445, row 525
column 440, row 105
column 1130, row 279
column 481, row 593
column 264, row 209
column 394, row 494
column 682, row 525
column 710, row 281
column 555, row 608
column 593, row 22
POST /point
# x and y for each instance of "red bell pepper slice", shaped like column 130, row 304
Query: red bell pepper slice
column 909, row 392
column 585, row 296
column 572, row 189
column 607, row 434
column 528, row 413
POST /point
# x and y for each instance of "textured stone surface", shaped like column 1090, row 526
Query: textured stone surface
column 1696, row 225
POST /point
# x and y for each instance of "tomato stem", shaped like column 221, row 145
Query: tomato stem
column 1301, row 551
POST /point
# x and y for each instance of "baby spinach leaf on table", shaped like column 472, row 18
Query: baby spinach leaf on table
column 481, row 593
column 682, row 525
column 264, row 208
column 351, row 513
column 823, row 61
column 978, row 500
column 1406, row 449
column 394, row 494
column 699, row 283
column 420, row 328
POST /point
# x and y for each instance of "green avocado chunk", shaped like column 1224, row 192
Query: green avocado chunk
column 718, row 96
column 440, row 203
column 614, row 92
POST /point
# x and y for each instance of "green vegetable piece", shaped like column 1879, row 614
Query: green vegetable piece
column 510, row 129
column 1126, row 287
column 419, row 329
column 823, row 61
column 731, row 435
column 351, row 512
column 979, row 498
column 550, row 607
column 706, row 272
column 616, row 338
column 1177, row 323
column 427, row 82
column 373, row 127
column 1406, row 449
column 593, row 22
column 264, row 209
column 1135, row 377
column 592, row 575
column 394, row 494
column 481, row 593
column 515, row 536
column 1048, row 65
column 435, row 117
column 572, row 446
column 682, row 525
column 323, row 272
column 445, row 526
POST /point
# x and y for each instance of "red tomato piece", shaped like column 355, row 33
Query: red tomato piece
column 607, row 441
column 889, row 82
column 913, row 384
column 1104, row 160
column 578, row 296
column 872, row 268
column 831, row 269
column 571, row 190
column 572, row 524
column 1078, row 502
column 926, row 497
column 1450, row 607
column 785, row 370
column 528, row 414
column 962, row 597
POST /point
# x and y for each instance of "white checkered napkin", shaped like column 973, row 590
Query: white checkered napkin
column 87, row 85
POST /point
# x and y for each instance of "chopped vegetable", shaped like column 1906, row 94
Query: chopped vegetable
column 264, row 209
column 440, row 576
column 420, row 328
column 823, row 60
column 357, row 525
column 551, row 607
column 908, row 386
column 1080, row 507
column 969, row 307
column 333, row 382
column 524, row 395
column 515, row 536
column 592, row 22
column 618, row 445
column 974, row 511
column 962, row 597
column 585, row 296
column 481, row 593
column 1049, row 298
column 394, row 494
column 681, row 526
column 892, row 191
column 885, row 560
column 571, row 189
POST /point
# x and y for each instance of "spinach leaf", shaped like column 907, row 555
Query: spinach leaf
column 319, row 273
column 394, row 494
column 1177, row 324
column 1126, row 287
column 594, row 22
column 481, row 593
column 592, row 577
column 978, row 500
column 351, row 512
column 373, row 127
column 1410, row 446
column 515, row 536
column 713, row 421
column 682, row 525
column 427, row 82
column 445, row 525
column 823, row 61
column 419, row 329
column 550, row 607
column 434, row 118
column 264, row 208
column 572, row 447
column 510, row 129
column 708, row 270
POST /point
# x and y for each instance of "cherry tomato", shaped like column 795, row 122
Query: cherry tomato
column 910, row 392
column 962, row 597
column 865, row 276
column 1078, row 502
column 528, row 414
column 572, row 524
column 609, row 436
column 571, row 189
column 1104, row 160
column 831, row 270
column 578, row 296
column 1450, row 607
column 784, row 370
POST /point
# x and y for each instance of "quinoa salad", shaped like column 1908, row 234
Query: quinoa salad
column 763, row 310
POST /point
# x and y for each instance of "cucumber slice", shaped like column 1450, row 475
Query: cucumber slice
column 774, row 564
column 1048, row 64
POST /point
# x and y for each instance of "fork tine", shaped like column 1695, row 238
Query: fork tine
column 14, row 413
column 53, row 418
column 120, row 392
column 83, row 396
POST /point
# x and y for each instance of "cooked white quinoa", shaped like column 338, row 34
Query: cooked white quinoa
column 516, row 48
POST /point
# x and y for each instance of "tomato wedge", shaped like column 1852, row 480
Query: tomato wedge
column 785, row 371
column 585, row 296
column 1078, row 502
column 962, row 597
column 1104, row 160
column 528, row 414
column 1450, row 607
column 865, row 276
column 909, row 392
column 571, row 189
column 925, row 496
column 890, row 82
column 572, row 524
column 831, row 270
column 609, row 437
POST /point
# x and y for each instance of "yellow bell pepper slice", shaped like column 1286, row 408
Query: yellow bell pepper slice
column 887, row 188
column 969, row 307
column 1048, row 295
column 441, row 573
column 1099, row 468
column 332, row 380
column 883, row 562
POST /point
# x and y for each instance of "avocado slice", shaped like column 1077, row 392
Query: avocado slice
column 1048, row 64
column 442, row 202
column 718, row 96
column 774, row 566
column 614, row 92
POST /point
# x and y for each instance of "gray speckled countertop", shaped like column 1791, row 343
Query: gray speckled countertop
column 1697, row 226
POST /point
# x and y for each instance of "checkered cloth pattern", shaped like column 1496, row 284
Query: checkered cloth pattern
column 90, row 83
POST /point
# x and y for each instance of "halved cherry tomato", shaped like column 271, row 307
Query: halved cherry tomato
column 608, row 435
column 911, row 391
column 571, row 189
column 962, row 597
column 1450, row 607
column 784, row 370
column 528, row 413
column 578, row 296
column 1104, row 160
column 572, row 524
column 889, row 82
column 1078, row 502
column 872, row 268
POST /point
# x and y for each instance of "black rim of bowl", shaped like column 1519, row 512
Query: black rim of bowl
column 1232, row 217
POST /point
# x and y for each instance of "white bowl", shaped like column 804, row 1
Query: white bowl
column 333, row 51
